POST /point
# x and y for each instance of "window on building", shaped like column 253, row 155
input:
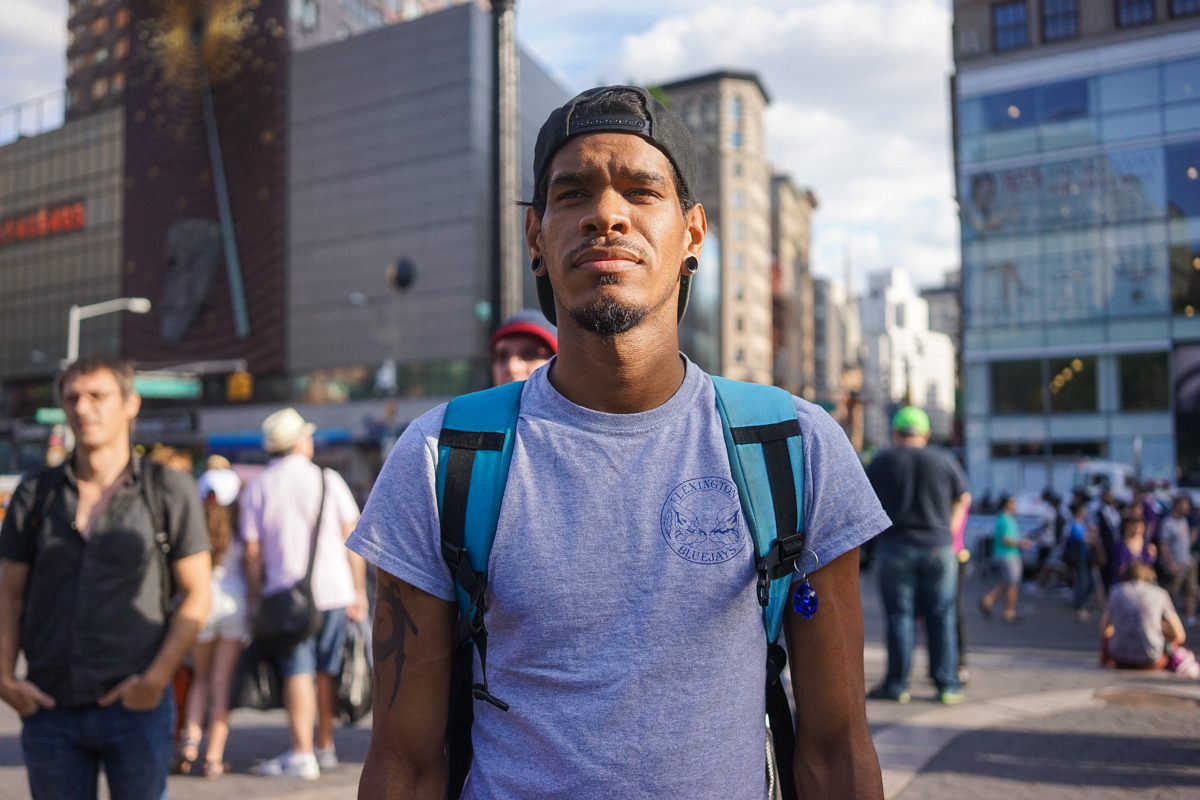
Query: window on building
column 1073, row 384
column 739, row 262
column 1017, row 387
column 740, row 324
column 1183, row 180
column 739, row 229
column 118, row 82
column 121, row 18
column 102, row 55
column 1010, row 26
column 739, row 355
column 99, row 88
column 737, row 138
column 738, row 200
column 738, row 291
column 1145, row 380
column 898, row 314
column 98, row 26
column 1131, row 13
column 737, row 168
column 121, row 48
column 1059, row 20
column 1185, row 8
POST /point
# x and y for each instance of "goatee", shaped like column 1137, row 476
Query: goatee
column 607, row 318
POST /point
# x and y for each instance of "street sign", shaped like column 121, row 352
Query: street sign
column 167, row 385
column 50, row 416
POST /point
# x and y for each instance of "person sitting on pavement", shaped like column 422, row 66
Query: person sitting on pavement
column 1006, row 552
column 524, row 342
column 1140, row 626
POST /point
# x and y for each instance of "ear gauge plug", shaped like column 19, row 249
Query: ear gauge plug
column 536, row 265
column 691, row 265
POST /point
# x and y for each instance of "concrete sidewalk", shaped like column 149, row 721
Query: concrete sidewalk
column 1040, row 720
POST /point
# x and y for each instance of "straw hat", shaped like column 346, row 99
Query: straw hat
column 283, row 429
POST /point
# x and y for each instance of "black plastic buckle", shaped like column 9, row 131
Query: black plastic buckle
column 480, row 692
column 764, row 587
column 453, row 555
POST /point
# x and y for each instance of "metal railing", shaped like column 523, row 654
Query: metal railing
column 33, row 117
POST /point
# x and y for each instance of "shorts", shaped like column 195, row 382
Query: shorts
column 1010, row 568
column 226, row 620
column 321, row 653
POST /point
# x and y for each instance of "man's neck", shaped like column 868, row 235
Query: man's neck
column 636, row 371
column 102, row 466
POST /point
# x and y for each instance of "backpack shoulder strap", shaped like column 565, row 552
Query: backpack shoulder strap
column 44, row 494
column 762, row 436
column 154, row 495
column 474, row 452
column 766, row 457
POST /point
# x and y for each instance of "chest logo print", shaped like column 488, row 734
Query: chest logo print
column 702, row 521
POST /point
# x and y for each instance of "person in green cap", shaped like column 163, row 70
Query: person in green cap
column 924, row 491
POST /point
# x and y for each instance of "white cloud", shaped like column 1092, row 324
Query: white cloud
column 860, row 113
column 33, row 44
column 860, row 109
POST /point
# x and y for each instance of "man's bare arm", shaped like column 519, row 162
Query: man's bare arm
column 834, row 753
column 193, row 578
column 414, row 648
column 23, row 696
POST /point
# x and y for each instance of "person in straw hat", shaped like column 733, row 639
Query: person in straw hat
column 280, row 509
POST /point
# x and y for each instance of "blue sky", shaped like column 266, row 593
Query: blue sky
column 859, row 88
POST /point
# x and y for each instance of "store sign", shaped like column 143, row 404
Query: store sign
column 43, row 222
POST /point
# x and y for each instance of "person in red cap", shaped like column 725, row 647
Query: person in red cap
column 523, row 343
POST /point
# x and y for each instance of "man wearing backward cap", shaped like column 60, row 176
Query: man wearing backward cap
column 632, row 666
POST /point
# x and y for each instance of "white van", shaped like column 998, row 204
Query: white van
column 1095, row 476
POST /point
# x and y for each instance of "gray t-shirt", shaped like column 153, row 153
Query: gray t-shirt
column 1138, row 609
column 623, row 627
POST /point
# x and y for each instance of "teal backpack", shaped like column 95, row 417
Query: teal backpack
column 762, row 436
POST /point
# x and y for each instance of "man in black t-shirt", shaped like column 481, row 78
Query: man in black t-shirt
column 91, row 555
column 924, row 491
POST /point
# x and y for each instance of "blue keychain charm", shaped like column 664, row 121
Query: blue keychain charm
column 804, row 599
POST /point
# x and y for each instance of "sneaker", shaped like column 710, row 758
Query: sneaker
column 951, row 698
column 326, row 758
column 291, row 764
column 880, row 693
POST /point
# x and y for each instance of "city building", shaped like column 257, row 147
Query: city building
column 333, row 253
column 905, row 363
column 793, row 332
column 1077, row 142
column 837, row 355
column 724, row 111
column 945, row 316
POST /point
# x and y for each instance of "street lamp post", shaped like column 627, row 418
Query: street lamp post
column 137, row 305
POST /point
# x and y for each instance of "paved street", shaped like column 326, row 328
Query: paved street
column 1040, row 721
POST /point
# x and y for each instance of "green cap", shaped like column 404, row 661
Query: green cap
column 911, row 421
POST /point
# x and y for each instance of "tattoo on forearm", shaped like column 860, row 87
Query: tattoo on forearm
column 392, row 646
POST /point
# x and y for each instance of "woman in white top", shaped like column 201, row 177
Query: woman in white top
column 218, row 647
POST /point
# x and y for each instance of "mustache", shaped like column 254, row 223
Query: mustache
column 619, row 243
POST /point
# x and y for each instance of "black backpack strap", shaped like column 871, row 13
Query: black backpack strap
column 153, row 493
column 463, row 446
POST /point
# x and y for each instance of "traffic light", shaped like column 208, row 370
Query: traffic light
column 239, row 387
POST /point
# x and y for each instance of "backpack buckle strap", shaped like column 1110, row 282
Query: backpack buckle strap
column 778, row 562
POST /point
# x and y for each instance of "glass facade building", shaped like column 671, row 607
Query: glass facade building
column 1079, row 192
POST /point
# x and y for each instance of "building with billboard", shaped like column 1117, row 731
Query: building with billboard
column 1077, row 142
column 315, row 223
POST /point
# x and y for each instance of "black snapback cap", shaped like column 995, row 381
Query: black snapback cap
column 661, row 127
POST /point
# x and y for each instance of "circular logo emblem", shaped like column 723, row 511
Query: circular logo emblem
column 702, row 521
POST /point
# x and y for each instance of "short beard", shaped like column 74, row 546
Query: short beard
column 607, row 318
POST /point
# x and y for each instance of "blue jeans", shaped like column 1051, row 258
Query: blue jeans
column 65, row 748
column 919, row 578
